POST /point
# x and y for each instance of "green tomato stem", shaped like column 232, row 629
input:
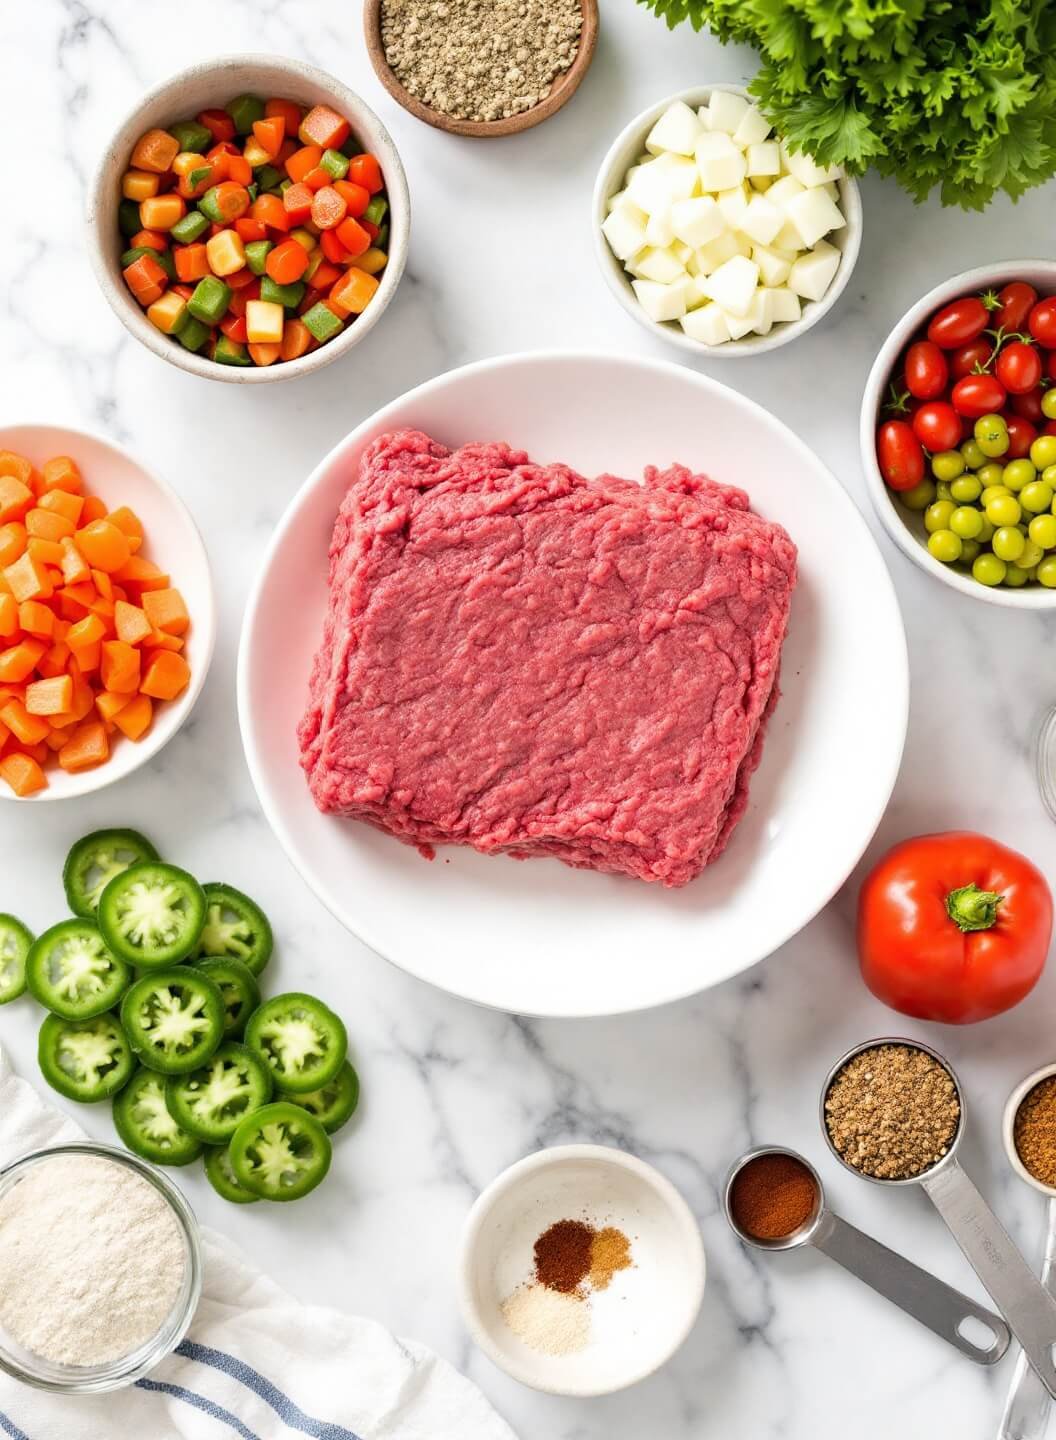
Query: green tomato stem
column 972, row 909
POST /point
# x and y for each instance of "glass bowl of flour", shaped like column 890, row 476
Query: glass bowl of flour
column 100, row 1268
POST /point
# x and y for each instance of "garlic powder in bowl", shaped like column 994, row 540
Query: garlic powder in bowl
column 99, row 1268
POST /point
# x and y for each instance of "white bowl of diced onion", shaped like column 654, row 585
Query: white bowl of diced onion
column 712, row 234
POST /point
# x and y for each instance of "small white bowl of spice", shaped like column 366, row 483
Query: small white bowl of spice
column 100, row 1268
column 582, row 1270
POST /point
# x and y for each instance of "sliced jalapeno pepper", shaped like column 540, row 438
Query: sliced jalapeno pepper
column 143, row 1121
column 174, row 1020
column 152, row 914
column 95, row 860
column 71, row 972
column 85, row 1060
column 210, row 1102
column 334, row 1104
column 235, row 925
column 280, row 1152
column 240, row 991
column 223, row 1179
column 302, row 1041
column 15, row 943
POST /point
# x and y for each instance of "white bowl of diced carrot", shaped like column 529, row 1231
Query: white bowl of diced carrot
column 107, row 614
column 249, row 220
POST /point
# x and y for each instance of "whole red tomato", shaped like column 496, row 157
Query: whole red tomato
column 1019, row 368
column 937, row 426
column 976, row 395
column 1016, row 302
column 953, row 927
column 926, row 370
column 959, row 322
column 1042, row 322
column 972, row 357
column 900, row 455
column 1021, row 436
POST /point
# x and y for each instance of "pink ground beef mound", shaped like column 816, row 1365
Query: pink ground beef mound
column 521, row 659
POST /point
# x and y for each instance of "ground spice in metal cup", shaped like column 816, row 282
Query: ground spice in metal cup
column 892, row 1112
column 1034, row 1132
column 773, row 1196
column 562, row 1255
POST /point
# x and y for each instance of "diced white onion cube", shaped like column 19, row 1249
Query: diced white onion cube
column 764, row 158
column 698, row 220
column 658, row 228
column 762, row 220
column 659, row 265
column 813, row 214
column 657, row 185
column 678, row 129
column 737, row 325
column 624, row 229
column 662, row 302
column 785, row 304
column 726, row 111
column 682, row 253
column 806, row 171
column 724, row 247
column 708, row 325
column 721, row 164
column 773, row 267
column 812, row 274
column 761, row 312
column 732, row 285
column 752, row 129
column 787, row 238
column 783, row 190
column 733, row 203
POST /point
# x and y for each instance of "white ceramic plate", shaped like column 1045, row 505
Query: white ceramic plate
column 173, row 543
column 536, row 937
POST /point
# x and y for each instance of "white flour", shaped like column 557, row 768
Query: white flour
column 91, row 1260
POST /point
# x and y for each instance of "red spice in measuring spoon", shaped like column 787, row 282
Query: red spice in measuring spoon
column 772, row 1196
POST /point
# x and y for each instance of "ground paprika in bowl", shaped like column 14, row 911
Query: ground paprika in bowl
column 953, row 927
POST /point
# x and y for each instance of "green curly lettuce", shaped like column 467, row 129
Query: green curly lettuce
column 935, row 93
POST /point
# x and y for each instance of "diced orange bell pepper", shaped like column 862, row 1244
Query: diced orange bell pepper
column 22, row 773
column 354, row 291
column 134, row 718
column 167, row 675
column 86, row 747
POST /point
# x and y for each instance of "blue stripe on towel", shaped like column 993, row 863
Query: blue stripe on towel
column 208, row 1407
column 10, row 1428
column 283, row 1406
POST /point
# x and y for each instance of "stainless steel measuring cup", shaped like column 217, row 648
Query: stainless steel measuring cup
column 1017, row 1292
column 916, row 1291
column 1026, row 1415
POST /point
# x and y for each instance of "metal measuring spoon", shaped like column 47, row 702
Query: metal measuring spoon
column 916, row 1291
column 1017, row 1292
column 1026, row 1414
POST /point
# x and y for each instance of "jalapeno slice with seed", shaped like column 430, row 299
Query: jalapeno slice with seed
column 235, row 926
column 238, row 987
column 143, row 1121
column 85, row 1060
column 71, row 972
column 95, row 860
column 223, row 1179
column 334, row 1104
column 210, row 1102
column 280, row 1152
column 302, row 1041
column 15, row 942
column 152, row 914
column 174, row 1020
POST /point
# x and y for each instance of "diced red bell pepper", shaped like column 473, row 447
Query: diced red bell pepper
column 251, row 229
column 234, row 327
column 218, row 123
column 364, row 170
column 333, row 249
column 353, row 237
column 297, row 202
column 356, row 197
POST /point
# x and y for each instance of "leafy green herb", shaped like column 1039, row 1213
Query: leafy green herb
column 936, row 93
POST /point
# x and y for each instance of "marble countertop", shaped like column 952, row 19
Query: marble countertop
column 501, row 261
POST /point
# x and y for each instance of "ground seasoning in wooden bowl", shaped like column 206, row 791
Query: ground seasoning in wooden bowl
column 892, row 1112
column 1034, row 1132
column 772, row 1196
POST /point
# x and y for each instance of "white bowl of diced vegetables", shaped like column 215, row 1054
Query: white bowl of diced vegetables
column 711, row 233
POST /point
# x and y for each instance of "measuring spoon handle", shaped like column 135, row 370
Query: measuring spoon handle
column 1018, row 1293
column 928, row 1299
column 1026, row 1414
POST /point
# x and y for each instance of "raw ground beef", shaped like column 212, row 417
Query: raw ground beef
column 520, row 659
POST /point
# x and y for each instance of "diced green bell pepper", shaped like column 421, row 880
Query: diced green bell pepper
column 128, row 217
column 376, row 210
column 244, row 109
column 289, row 296
column 189, row 228
column 210, row 300
column 191, row 135
column 209, row 208
column 381, row 240
column 335, row 164
column 254, row 189
column 198, row 174
column 194, row 334
column 257, row 255
column 163, row 258
column 321, row 323
column 269, row 179
column 230, row 352
column 284, row 185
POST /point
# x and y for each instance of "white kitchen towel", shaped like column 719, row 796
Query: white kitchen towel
column 257, row 1364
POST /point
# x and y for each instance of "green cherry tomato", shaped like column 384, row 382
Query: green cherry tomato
column 1042, row 530
column 966, row 489
column 986, row 534
column 1049, row 475
column 991, row 475
column 1032, row 554
column 1008, row 543
column 991, row 435
column 937, row 516
column 1048, row 409
column 1003, row 510
column 944, row 545
column 969, row 550
column 990, row 570
column 943, row 490
column 1015, row 576
column 991, row 492
column 1036, row 497
column 1043, row 451
column 1047, row 572
column 920, row 497
column 966, row 522
column 948, row 464
column 973, row 456
column 1017, row 473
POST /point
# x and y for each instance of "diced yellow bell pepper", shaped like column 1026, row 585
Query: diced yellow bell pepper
column 264, row 322
column 255, row 154
column 373, row 261
column 167, row 312
column 139, row 185
column 303, row 237
column 225, row 252
column 161, row 212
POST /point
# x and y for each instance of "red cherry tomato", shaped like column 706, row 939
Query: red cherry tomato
column 1043, row 322
column 900, row 455
column 976, row 395
column 959, row 322
column 1021, row 436
column 971, row 357
column 1029, row 405
column 1017, row 301
column 1019, row 368
column 1050, row 427
column 1052, row 366
column 938, row 426
column 926, row 370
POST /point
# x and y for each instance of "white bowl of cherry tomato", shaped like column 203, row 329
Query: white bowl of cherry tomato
column 249, row 220
column 958, row 433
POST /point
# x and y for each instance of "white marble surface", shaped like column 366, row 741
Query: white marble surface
column 501, row 261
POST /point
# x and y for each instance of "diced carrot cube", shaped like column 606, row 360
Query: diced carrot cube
column 57, row 736
column 109, row 702
column 126, row 521
column 166, row 611
column 101, row 581
column 12, row 542
column 27, row 579
column 134, row 718
column 167, row 675
column 9, row 626
column 88, row 631
column 62, row 502
column 155, row 151
column 75, row 568
column 141, row 575
column 26, row 725
column 323, row 126
column 94, row 509
column 15, row 498
column 160, row 641
column 49, row 697
column 354, row 291
column 303, row 161
column 119, row 667
column 55, row 660
column 46, row 525
column 22, row 773
column 131, row 622
column 45, row 552
column 89, row 745
column 17, row 467
column 103, row 545
column 19, row 661
column 296, row 338
column 36, row 619
column 60, row 473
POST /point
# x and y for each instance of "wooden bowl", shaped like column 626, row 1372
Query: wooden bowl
column 562, row 90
